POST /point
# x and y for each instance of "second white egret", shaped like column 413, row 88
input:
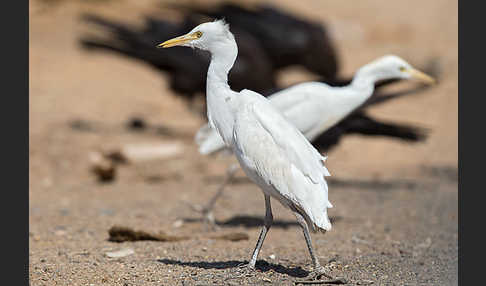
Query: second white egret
column 314, row 107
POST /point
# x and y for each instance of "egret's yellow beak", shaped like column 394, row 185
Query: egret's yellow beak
column 177, row 41
column 420, row 76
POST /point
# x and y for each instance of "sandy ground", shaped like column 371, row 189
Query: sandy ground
column 395, row 219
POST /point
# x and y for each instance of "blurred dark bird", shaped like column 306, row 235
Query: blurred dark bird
column 360, row 123
column 186, row 68
column 268, row 39
column 287, row 39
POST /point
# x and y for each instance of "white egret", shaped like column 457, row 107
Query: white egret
column 271, row 151
column 314, row 107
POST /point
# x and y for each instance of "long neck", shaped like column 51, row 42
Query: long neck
column 223, row 56
column 358, row 91
column 220, row 114
column 373, row 72
column 363, row 83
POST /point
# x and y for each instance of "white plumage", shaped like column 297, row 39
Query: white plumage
column 271, row 151
column 279, row 158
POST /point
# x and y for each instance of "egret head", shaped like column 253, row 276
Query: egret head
column 207, row 36
column 391, row 66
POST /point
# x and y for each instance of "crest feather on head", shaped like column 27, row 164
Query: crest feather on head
column 223, row 24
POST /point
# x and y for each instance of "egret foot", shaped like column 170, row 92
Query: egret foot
column 318, row 272
column 206, row 216
column 316, row 277
column 246, row 269
column 209, row 221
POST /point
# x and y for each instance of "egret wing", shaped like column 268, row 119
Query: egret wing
column 301, row 105
column 296, row 147
column 294, row 108
column 209, row 140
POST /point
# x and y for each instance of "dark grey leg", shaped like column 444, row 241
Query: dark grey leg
column 267, row 223
column 318, row 269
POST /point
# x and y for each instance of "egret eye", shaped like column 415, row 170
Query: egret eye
column 198, row 34
column 402, row 68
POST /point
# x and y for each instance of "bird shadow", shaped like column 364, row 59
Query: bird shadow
column 364, row 184
column 261, row 265
column 249, row 221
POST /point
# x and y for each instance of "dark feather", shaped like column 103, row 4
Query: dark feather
column 360, row 123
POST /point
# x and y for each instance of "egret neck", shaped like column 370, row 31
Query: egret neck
column 221, row 100
column 363, row 83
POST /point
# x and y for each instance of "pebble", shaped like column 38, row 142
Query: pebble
column 151, row 151
column 272, row 256
column 120, row 253
column 178, row 223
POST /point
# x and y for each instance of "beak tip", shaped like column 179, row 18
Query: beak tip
column 431, row 80
column 423, row 77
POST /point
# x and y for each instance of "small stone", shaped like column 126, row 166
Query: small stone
column 102, row 167
column 120, row 253
column 266, row 280
column 151, row 151
column 178, row 223
column 272, row 256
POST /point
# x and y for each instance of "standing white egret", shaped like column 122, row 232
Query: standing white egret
column 314, row 107
column 270, row 150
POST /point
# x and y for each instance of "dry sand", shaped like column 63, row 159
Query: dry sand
column 395, row 219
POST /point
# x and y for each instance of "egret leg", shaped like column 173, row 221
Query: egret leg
column 318, row 269
column 267, row 223
column 207, row 210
